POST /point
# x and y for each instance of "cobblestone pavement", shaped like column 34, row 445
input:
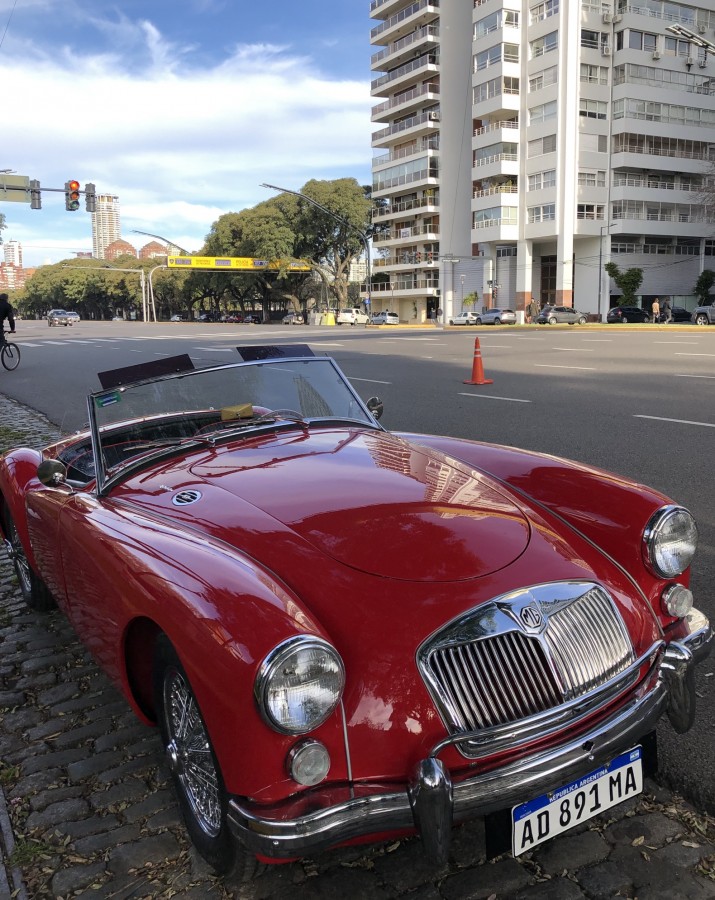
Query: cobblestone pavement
column 86, row 808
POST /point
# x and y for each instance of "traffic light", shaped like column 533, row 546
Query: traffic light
column 430, row 257
column 35, row 196
column 90, row 197
column 418, row 257
column 71, row 195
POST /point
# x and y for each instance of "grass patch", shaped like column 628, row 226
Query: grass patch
column 8, row 774
column 28, row 851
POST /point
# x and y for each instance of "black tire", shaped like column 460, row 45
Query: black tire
column 624, row 319
column 497, row 321
column 10, row 356
column 478, row 322
column 701, row 320
column 552, row 321
column 581, row 321
column 34, row 591
column 194, row 768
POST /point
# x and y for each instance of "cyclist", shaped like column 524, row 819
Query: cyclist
column 6, row 313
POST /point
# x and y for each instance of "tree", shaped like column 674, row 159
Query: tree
column 627, row 282
column 705, row 281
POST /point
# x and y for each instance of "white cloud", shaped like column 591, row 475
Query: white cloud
column 179, row 144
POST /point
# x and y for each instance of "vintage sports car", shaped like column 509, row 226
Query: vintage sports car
column 510, row 656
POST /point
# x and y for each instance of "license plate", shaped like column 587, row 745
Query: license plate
column 545, row 817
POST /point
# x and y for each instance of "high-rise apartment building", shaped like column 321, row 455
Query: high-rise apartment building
column 106, row 226
column 12, row 251
column 528, row 143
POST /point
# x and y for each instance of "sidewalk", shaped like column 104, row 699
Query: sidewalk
column 86, row 808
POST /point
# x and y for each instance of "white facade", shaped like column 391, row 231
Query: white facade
column 106, row 226
column 13, row 253
column 529, row 143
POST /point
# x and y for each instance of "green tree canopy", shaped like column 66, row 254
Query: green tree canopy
column 627, row 282
column 705, row 281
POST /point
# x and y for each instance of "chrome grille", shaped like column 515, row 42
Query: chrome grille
column 488, row 669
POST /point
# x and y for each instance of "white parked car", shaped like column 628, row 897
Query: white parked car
column 495, row 316
column 385, row 318
column 292, row 318
column 352, row 316
column 464, row 318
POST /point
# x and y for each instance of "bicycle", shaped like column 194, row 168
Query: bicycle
column 9, row 352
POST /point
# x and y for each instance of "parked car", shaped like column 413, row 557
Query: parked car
column 352, row 316
column 553, row 315
column 500, row 316
column 704, row 315
column 253, row 319
column 627, row 314
column 209, row 316
column 292, row 318
column 397, row 691
column 61, row 317
column 233, row 318
column 677, row 314
column 385, row 318
column 177, row 317
column 464, row 318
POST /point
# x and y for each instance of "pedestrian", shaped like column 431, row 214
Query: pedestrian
column 667, row 311
column 656, row 310
column 6, row 313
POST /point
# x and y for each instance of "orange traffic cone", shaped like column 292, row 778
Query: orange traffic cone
column 477, row 367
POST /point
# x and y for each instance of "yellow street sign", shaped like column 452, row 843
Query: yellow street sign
column 240, row 263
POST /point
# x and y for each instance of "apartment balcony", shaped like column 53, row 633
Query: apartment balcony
column 396, row 237
column 424, row 40
column 427, row 204
column 423, row 12
column 504, row 130
column 425, row 178
column 496, row 229
column 664, row 221
column 495, row 165
column 418, row 262
column 413, row 72
column 383, row 9
column 502, row 193
column 645, row 187
column 409, row 101
column 403, row 288
column 427, row 148
column 419, row 125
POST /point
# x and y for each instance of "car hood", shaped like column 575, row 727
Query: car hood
column 368, row 499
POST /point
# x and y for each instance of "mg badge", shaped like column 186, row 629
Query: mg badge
column 531, row 617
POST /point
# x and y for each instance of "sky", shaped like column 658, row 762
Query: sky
column 180, row 109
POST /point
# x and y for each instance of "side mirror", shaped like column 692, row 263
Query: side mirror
column 374, row 404
column 51, row 472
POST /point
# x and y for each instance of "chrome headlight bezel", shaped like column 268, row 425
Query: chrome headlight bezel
column 660, row 540
column 268, row 687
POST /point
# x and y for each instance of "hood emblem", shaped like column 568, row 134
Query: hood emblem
column 531, row 617
column 185, row 498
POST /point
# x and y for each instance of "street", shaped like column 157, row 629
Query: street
column 638, row 402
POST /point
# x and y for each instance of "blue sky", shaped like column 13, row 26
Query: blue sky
column 180, row 109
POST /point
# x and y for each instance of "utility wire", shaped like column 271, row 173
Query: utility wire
column 7, row 24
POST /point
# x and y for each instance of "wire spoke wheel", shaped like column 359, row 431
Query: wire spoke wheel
column 19, row 559
column 10, row 356
column 189, row 753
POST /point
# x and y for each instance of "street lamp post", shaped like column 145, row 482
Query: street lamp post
column 600, row 266
column 461, row 278
column 329, row 212
column 160, row 238
column 448, row 299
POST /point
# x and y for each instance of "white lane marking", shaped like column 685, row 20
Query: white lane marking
column 691, row 343
column 28, row 344
column 370, row 380
column 498, row 346
column 677, row 421
column 56, row 343
column 693, row 354
column 216, row 349
column 575, row 349
column 416, row 339
column 597, row 340
column 487, row 397
column 76, row 341
column 516, row 338
column 582, row 368
column 679, row 376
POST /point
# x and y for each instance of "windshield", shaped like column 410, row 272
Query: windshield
column 138, row 420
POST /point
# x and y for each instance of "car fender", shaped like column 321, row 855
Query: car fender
column 609, row 511
column 18, row 474
column 222, row 611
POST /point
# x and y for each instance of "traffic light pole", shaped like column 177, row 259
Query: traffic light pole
column 34, row 191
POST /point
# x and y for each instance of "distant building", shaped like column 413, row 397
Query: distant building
column 153, row 250
column 357, row 271
column 12, row 252
column 83, row 254
column 12, row 277
column 106, row 227
column 119, row 248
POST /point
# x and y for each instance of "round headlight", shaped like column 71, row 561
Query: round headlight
column 309, row 763
column 677, row 601
column 299, row 684
column 670, row 540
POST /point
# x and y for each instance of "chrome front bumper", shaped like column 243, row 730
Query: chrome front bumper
column 432, row 801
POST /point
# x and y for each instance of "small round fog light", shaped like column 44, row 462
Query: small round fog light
column 677, row 600
column 309, row 763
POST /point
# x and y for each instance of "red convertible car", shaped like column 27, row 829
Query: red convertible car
column 510, row 656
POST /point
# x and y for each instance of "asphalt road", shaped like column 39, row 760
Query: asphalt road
column 636, row 401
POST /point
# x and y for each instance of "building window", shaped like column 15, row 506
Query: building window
column 544, row 44
column 545, row 213
column 642, row 40
column 489, row 57
column 543, row 112
column 592, row 109
column 511, row 85
column 544, row 78
column 541, row 180
column 709, row 247
column 539, row 146
column 594, row 74
column 602, row 143
column 592, row 179
column 506, row 251
column 589, row 211
column 677, row 47
column 543, row 10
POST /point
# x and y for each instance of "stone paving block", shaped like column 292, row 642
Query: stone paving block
column 50, row 728
column 48, row 797
column 131, row 767
column 571, row 852
column 39, row 664
column 554, row 889
column 92, row 765
column 81, row 734
column 167, row 818
column 149, row 805
column 76, row 878
column 503, row 878
column 50, row 760
column 153, row 849
column 681, row 856
column 407, row 869
column 58, row 694
column 95, row 843
column 32, row 682
column 126, row 793
column 120, row 737
column 90, row 825
column 655, row 828
column 605, row 881
column 58, row 812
